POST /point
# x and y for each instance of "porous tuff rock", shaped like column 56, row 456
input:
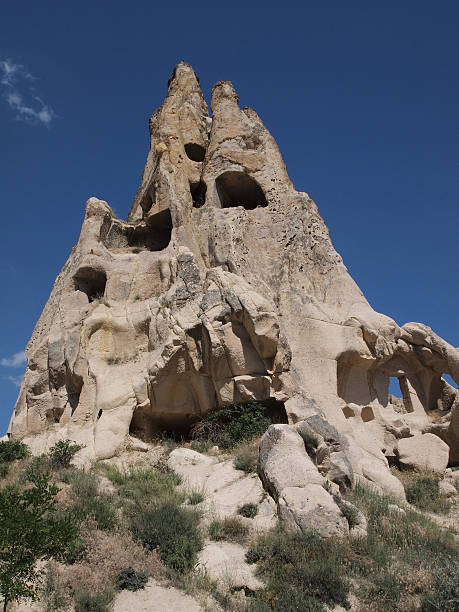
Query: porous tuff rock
column 222, row 286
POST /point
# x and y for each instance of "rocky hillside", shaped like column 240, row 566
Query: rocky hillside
column 221, row 300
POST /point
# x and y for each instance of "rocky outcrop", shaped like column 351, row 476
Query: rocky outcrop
column 223, row 285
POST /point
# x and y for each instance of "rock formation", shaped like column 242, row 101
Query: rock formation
column 223, row 286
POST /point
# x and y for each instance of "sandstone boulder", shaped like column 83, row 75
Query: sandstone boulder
column 423, row 452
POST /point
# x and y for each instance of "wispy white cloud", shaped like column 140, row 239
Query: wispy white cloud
column 16, row 380
column 21, row 95
column 18, row 360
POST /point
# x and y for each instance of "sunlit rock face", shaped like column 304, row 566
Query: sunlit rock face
column 223, row 286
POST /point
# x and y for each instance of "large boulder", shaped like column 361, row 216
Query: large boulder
column 423, row 452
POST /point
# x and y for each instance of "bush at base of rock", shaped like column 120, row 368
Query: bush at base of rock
column 230, row 528
column 248, row 510
column 89, row 602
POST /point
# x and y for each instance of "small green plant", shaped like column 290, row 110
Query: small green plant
column 246, row 459
column 173, row 531
column 92, row 602
column 200, row 446
column 233, row 424
column 62, row 453
column 132, row 580
column 248, row 510
column 136, row 250
column 137, row 297
column 424, row 493
column 311, row 442
column 230, row 528
column 53, row 596
column 4, row 467
column 10, row 450
column 196, row 496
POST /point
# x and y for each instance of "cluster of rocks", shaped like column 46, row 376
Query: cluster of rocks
column 223, row 286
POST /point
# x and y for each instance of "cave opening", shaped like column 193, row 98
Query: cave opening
column 90, row 281
column 198, row 193
column 239, row 189
column 155, row 234
column 142, row 425
column 195, row 152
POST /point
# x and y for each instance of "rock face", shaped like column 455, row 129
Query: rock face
column 223, row 286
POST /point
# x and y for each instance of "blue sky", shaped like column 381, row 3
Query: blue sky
column 362, row 97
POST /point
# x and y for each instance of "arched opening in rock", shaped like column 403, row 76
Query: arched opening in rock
column 155, row 234
column 198, row 193
column 142, row 425
column 239, row 189
column 195, row 152
column 90, row 281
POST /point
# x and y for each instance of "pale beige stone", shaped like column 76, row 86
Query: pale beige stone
column 425, row 451
column 155, row 597
column 225, row 562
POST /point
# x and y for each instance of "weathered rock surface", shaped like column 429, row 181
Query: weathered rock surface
column 225, row 562
column 154, row 597
column 223, row 285
column 425, row 451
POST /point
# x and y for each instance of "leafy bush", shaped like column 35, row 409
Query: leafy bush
column 233, row 424
column 246, row 459
column 10, row 450
column 92, row 602
column 201, row 446
column 172, row 530
column 311, row 442
column 132, row 580
column 4, row 467
column 146, row 484
column 62, row 453
column 424, row 493
column 230, row 528
column 248, row 510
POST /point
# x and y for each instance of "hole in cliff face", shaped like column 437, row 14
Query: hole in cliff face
column 142, row 426
column 239, row 189
column 275, row 410
column 154, row 235
column 198, row 193
column 195, row 152
column 90, row 281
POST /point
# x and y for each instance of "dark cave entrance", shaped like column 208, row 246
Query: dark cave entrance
column 195, row 152
column 90, row 281
column 198, row 193
column 239, row 189
column 155, row 234
column 142, row 425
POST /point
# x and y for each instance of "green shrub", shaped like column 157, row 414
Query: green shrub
column 89, row 503
column 248, row 510
column 132, row 580
column 246, row 459
column 230, row 528
column 172, row 530
column 311, row 442
column 233, row 424
column 53, row 596
column 201, row 446
column 10, row 450
column 302, row 571
column 92, row 602
column 62, row 453
column 4, row 467
column 445, row 596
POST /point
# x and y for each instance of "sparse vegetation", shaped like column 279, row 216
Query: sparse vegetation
column 195, row 497
column 246, row 458
column 229, row 426
column 248, row 510
column 92, row 602
column 201, row 446
column 422, row 490
column 229, row 528
column 132, row 580
column 88, row 503
column 349, row 511
column 113, row 360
